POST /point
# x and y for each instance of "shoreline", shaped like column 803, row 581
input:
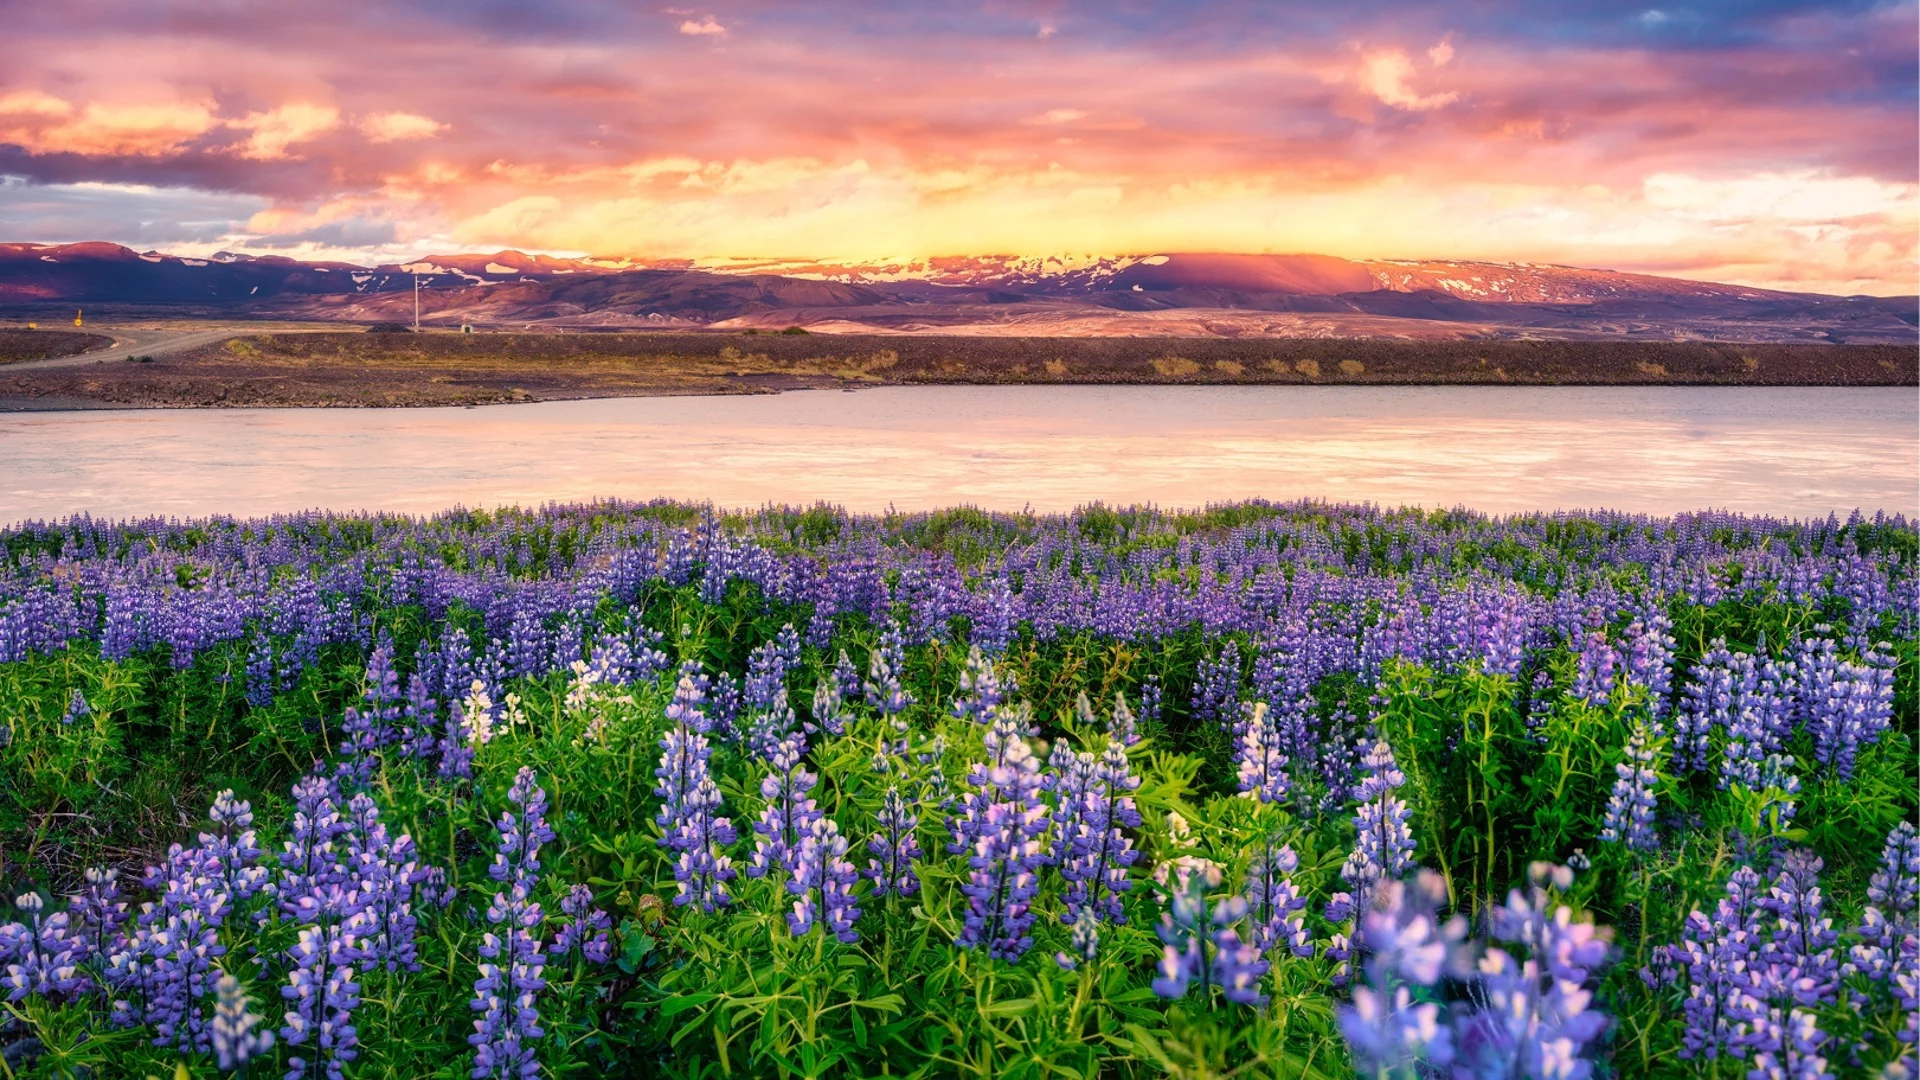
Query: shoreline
column 19, row 405
column 234, row 368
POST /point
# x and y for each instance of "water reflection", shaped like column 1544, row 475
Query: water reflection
column 1787, row 451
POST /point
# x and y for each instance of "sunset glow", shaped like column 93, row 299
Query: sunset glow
column 1770, row 144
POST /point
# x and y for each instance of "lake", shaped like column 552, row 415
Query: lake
column 1788, row 451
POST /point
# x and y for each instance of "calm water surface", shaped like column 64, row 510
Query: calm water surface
column 1499, row 449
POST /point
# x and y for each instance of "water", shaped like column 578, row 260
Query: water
column 1499, row 449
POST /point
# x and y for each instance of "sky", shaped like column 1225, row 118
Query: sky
column 1770, row 143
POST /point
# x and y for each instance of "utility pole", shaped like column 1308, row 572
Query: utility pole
column 416, row 301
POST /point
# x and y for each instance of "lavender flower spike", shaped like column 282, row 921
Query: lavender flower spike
column 1262, row 761
column 1383, row 845
column 894, row 848
column 238, row 1035
column 1629, row 817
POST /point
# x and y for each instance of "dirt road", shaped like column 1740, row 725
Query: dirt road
column 129, row 341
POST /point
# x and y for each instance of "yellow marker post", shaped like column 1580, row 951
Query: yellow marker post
column 76, row 317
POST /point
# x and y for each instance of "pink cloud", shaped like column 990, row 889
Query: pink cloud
column 937, row 143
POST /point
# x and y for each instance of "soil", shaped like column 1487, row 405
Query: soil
column 338, row 369
column 47, row 344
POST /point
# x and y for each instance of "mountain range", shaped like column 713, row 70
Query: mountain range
column 1150, row 295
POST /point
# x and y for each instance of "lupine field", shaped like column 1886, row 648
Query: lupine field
column 1266, row 790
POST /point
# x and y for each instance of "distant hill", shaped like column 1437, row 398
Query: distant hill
column 1178, row 294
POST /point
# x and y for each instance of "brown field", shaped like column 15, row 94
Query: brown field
column 356, row 369
column 47, row 344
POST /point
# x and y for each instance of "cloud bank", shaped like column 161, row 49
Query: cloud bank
column 1768, row 144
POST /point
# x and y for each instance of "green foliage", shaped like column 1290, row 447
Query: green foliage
column 1498, row 776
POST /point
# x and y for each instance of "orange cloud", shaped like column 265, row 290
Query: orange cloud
column 49, row 125
column 1384, row 73
column 400, row 127
column 274, row 131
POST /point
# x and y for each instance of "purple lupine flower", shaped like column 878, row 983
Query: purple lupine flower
column 1629, row 816
column 1757, row 726
column 239, row 1034
column 373, row 725
column 522, row 835
column 320, row 990
column 829, row 710
column 846, row 678
column 647, row 660
column 1003, row 882
column 1906, row 995
column 1274, row 902
column 1647, row 660
column 767, row 668
column 42, row 955
column 766, row 730
column 1786, row 1042
column 703, row 868
column 683, row 759
column 723, row 706
column 1594, row 671
column 97, row 910
column 458, row 740
column 1533, row 1016
column 764, row 697
column 822, row 881
column 311, row 858
column 1085, row 941
column 689, row 818
column 1150, row 700
column 506, row 994
column 1710, row 963
column 382, row 695
column 1383, row 844
column 894, row 847
column 1262, row 762
column 77, row 708
column 419, row 720
column 1204, row 946
column 980, row 692
column 1892, row 915
column 387, row 872
column 1799, row 963
column 790, row 811
column 1122, row 724
column 1183, row 956
column 689, row 692
column 1778, row 787
column 569, row 645
column 1707, row 702
column 1001, row 824
column 262, row 685
column 1216, row 687
column 174, row 963
column 1538, row 705
column 1845, row 705
column 885, row 666
column 586, row 928
column 1406, row 946
column 232, row 851
column 1092, row 848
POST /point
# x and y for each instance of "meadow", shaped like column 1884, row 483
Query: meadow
column 1292, row 790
